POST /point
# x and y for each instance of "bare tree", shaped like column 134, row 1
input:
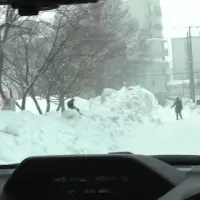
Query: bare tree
column 36, row 56
column 21, row 58
column 33, row 55
column 67, row 56
column 116, row 38
column 10, row 22
column 96, row 33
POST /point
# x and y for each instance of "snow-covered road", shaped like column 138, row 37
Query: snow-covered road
column 172, row 136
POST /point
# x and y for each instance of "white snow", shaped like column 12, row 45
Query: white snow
column 156, row 39
column 126, row 120
column 31, row 106
column 180, row 82
column 158, row 60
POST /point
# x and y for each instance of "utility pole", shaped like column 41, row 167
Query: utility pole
column 190, row 64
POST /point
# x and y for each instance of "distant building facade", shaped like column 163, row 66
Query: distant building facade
column 179, row 84
column 181, row 88
column 152, row 71
column 180, row 58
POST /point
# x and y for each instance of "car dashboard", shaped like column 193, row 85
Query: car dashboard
column 114, row 176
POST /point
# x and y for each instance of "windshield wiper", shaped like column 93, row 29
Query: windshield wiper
column 9, row 166
column 125, row 152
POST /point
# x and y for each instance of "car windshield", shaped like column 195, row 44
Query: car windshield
column 112, row 76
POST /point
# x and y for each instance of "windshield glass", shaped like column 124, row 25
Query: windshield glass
column 98, row 78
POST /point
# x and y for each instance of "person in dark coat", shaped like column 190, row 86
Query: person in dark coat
column 71, row 105
column 178, row 107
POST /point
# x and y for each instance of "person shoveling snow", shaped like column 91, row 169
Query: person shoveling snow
column 71, row 105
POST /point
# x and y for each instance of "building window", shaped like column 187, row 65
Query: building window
column 166, row 52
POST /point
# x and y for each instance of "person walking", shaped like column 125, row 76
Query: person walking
column 178, row 108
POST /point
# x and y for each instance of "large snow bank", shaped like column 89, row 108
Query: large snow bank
column 133, row 100
column 109, row 123
column 123, row 120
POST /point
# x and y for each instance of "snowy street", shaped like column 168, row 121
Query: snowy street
column 124, row 121
column 173, row 137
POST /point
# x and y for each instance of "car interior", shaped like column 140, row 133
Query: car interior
column 120, row 175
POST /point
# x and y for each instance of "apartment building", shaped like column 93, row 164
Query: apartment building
column 153, row 69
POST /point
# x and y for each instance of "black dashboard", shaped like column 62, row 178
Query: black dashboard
column 114, row 176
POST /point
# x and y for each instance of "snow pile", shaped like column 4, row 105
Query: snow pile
column 136, row 99
column 25, row 134
column 124, row 120
column 135, row 103
column 109, row 123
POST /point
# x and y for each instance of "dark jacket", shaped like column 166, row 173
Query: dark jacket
column 178, row 105
column 70, row 104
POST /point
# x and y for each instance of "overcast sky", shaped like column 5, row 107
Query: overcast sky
column 178, row 14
